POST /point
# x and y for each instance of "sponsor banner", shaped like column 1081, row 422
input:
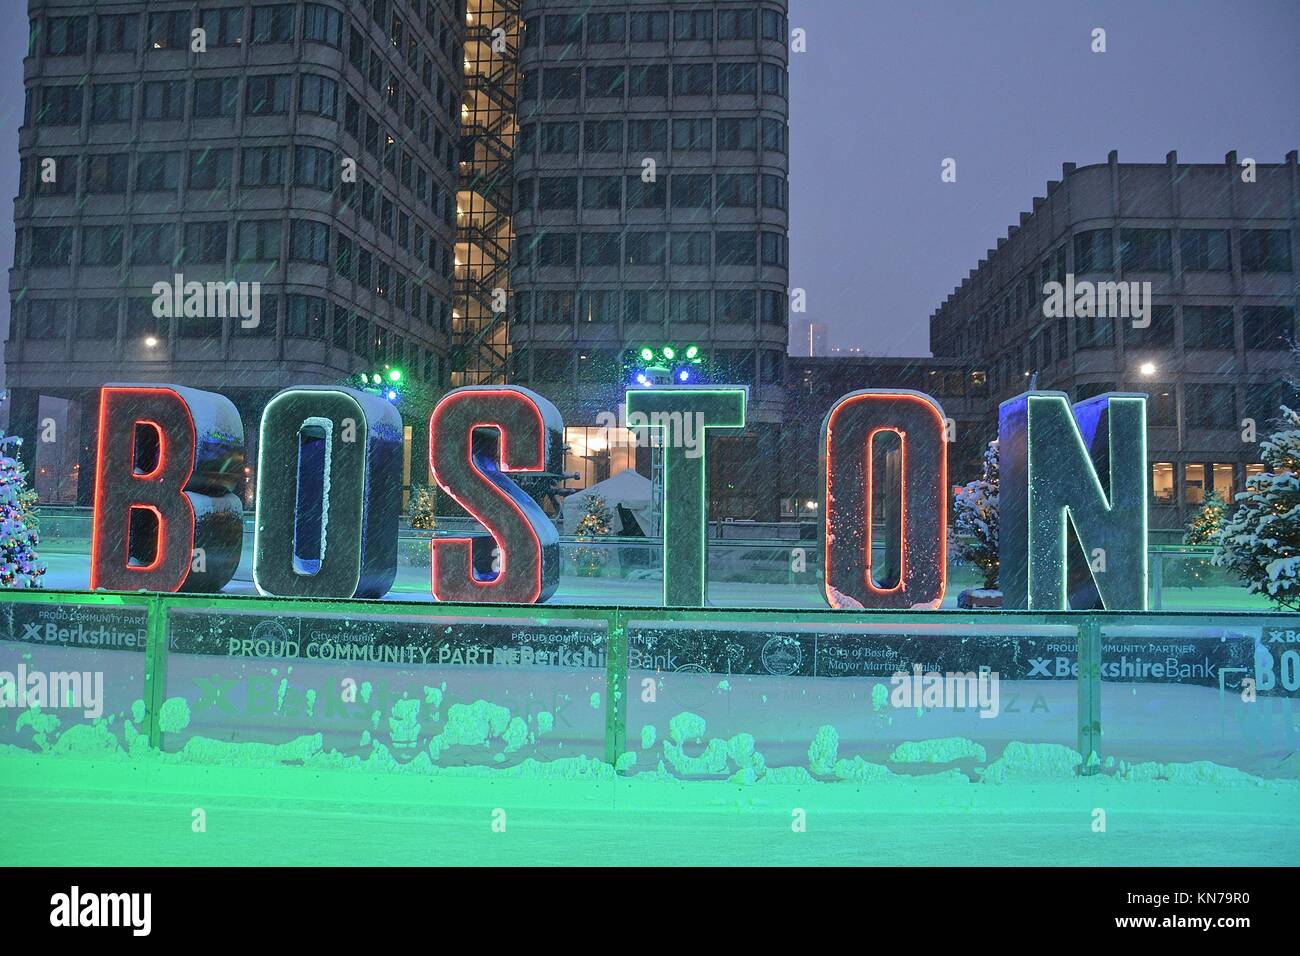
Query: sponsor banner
column 403, row 641
column 1216, row 659
column 88, row 626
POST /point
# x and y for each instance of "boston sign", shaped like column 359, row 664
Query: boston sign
column 330, row 471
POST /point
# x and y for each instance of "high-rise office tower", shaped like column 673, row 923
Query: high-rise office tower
column 296, row 155
column 650, row 209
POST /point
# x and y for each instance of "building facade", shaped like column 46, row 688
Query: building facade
column 305, row 151
column 1214, row 244
column 651, row 209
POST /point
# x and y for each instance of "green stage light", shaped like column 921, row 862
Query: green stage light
column 395, row 375
column 376, row 379
column 692, row 351
column 669, row 353
column 647, row 354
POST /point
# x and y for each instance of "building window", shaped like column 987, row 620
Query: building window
column 693, row 79
column 650, row 80
column 116, row 33
column 774, row 191
column 689, row 305
column 259, row 240
column 557, row 249
column 1265, row 250
column 164, row 100
column 158, row 172
column 774, row 138
column 205, row 242
column 555, row 307
column 1144, row 250
column 51, row 247
column 48, row 319
column 557, row 192
column 773, row 249
column 737, row 249
column 737, row 133
column 210, row 168
column 693, row 25
column 1208, row 327
column 598, row 306
column 606, row 27
column 1268, row 327
column 738, row 79
column 215, row 97
column 1162, row 482
column 1205, row 250
column 1094, row 332
column 1210, row 406
column 644, row 195
column 268, row 95
column 322, row 24
column 648, row 27
column 600, row 249
column 560, row 138
column 1162, row 406
column 773, row 79
column 1193, row 484
column 102, row 246
column 153, row 244
column 644, row 248
column 690, row 248
column 169, row 31
column 262, row 166
column 97, row 319
column 313, row 168
column 110, row 103
column 602, row 192
column 644, row 306
column 737, row 25
column 1092, row 252
column 1158, row 334
column 61, row 106
column 223, row 26
column 605, row 81
column 602, row 136
column 273, row 24
column 647, row 135
column 691, row 191
column 319, row 95
column 561, row 83
column 737, row 191
column 773, row 304
column 107, row 173
column 736, row 306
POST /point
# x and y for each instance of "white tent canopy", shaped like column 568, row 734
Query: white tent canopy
column 627, row 488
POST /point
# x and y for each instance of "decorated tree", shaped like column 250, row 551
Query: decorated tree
column 1206, row 522
column 594, row 523
column 20, row 565
column 974, row 531
column 422, row 511
column 1260, row 541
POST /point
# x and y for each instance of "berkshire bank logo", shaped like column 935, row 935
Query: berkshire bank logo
column 77, row 909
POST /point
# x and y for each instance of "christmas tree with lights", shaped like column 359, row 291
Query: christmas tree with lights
column 20, row 565
column 1207, row 521
column 974, row 534
column 594, row 523
column 1260, row 540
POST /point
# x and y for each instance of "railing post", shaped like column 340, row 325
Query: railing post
column 615, row 688
column 1157, row 580
column 155, row 669
column 1089, row 687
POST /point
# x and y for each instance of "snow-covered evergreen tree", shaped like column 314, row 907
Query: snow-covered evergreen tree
column 1260, row 541
column 422, row 511
column 594, row 523
column 1207, row 520
column 974, row 533
column 20, row 565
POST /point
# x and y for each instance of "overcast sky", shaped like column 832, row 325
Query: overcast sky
column 1008, row 88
